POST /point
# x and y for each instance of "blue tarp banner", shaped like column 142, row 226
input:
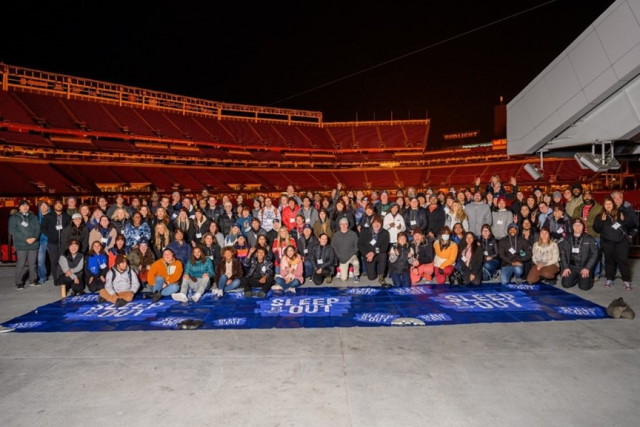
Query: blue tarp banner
column 318, row 308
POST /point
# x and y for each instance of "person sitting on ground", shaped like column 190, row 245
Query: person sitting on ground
column 198, row 273
column 399, row 264
column 579, row 254
column 96, row 267
column 470, row 260
column 446, row 252
column 421, row 257
column 345, row 246
column 104, row 232
column 121, row 284
column 119, row 248
column 291, row 271
column 180, row 247
column 260, row 274
column 323, row 261
column 545, row 257
column 514, row 251
column 229, row 273
column 489, row 247
column 165, row 274
column 140, row 260
column 71, row 268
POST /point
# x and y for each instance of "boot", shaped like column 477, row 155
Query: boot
column 383, row 283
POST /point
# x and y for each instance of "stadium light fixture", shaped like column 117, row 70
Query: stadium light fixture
column 598, row 162
column 536, row 172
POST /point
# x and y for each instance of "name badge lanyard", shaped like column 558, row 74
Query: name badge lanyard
column 578, row 242
column 514, row 244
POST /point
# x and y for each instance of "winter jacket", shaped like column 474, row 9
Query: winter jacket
column 52, row 226
column 323, row 257
column 345, row 245
column 478, row 215
column 23, row 227
column 513, row 249
column 416, row 219
column 379, row 245
column 589, row 252
column 171, row 273
column 121, row 281
column 199, row 269
column 236, row 268
column 96, row 265
column 106, row 236
column 391, row 224
column 137, row 260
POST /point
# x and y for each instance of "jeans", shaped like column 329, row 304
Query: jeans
column 222, row 284
column 292, row 284
column 42, row 263
column 509, row 271
column 24, row 258
column 400, row 279
column 598, row 268
column 489, row 269
column 308, row 269
column 170, row 289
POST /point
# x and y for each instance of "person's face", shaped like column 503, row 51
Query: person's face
column 77, row 221
column 137, row 219
column 161, row 228
column 418, row 238
column 402, row 240
column 164, row 202
column 74, row 248
column 291, row 252
column 324, row 239
column 376, row 226
column 212, row 202
column 143, row 247
column 239, row 199
column 502, row 204
column 292, row 204
column 618, row 199
column 576, row 192
column 414, row 203
column 290, row 189
column 24, row 209
column 255, row 225
column 228, row 255
column 267, row 202
column 123, row 265
column 395, row 209
column 213, row 228
column 120, row 243
column 119, row 200
column 198, row 215
column 186, row 203
column 557, row 213
column 520, row 195
column 460, row 196
column 175, row 198
column 368, row 211
column 544, row 235
column 276, row 225
column 167, row 256
column 526, row 225
column 433, row 201
column 608, row 205
column 197, row 252
column 104, row 222
column 524, row 211
column 102, row 202
column 457, row 229
column 469, row 239
column 84, row 210
column 587, row 196
column 543, row 208
column 282, row 232
column 486, row 233
column 384, row 198
column 256, row 204
column 513, row 231
column 44, row 208
column 477, row 197
column 299, row 221
column 71, row 203
column 260, row 256
column 58, row 207
column 228, row 207
column 306, row 232
column 344, row 227
column 179, row 236
column 578, row 228
column 135, row 202
column 422, row 200
column 568, row 195
column 262, row 240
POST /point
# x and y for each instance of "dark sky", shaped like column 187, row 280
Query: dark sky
column 261, row 53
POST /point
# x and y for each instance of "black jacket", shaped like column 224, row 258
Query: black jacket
column 490, row 246
column 381, row 245
column 306, row 247
column 607, row 231
column 420, row 218
column 423, row 253
column 522, row 250
column 48, row 226
column 588, row 252
column 326, row 255
column 475, row 266
column 435, row 220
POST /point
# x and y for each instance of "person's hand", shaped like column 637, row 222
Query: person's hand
column 604, row 216
column 517, row 263
column 229, row 282
column 319, row 271
column 76, row 281
column 431, row 235
column 515, row 218
column 30, row 240
column 252, row 250
column 472, row 277
column 513, row 181
column 477, row 181
column 397, row 252
column 539, row 266
column 416, row 263
column 185, row 277
column 489, row 258
column 584, row 273
column 566, row 272
column 90, row 279
column 205, row 276
column 164, row 285
column 440, row 271
column 399, row 226
column 103, row 279
column 370, row 256
column 263, row 279
column 68, row 273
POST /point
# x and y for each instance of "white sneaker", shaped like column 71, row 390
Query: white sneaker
column 179, row 297
column 196, row 297
column 276, row 288
column 291, row 290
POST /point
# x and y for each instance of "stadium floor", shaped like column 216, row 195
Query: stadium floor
column 528, row 374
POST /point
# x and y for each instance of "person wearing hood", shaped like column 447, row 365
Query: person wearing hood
column 25, row 230
column 121, row 284
column 501, row 219
column 43, row 210
column 514, row 251
column 558, row 224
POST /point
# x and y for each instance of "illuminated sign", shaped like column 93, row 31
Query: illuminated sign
column 461, row 135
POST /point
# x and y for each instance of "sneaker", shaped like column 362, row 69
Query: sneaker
column 156, row 297
column 38, row 284
column 356, row 279
column 608, row 284
column 196, row 297
column 101, row 300
column 627, row 286
column 291, row 290
column 260, row 294
column 329, row 280
column 120, row 302
column 178, row 296
column 33, row 284
column 276, row 288
column 248, row 294
column 20, row 287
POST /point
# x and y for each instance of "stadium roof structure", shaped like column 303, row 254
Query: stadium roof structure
column 586, row 103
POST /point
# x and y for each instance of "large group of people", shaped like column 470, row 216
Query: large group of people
column 181, row 246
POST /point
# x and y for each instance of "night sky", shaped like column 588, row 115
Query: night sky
column 259, row 54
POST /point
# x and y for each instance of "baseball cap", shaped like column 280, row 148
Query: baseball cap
column 76, row 215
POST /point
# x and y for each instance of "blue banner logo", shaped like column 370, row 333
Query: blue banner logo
column 137, row 310
column 523, row 287
column 304, row 306
column 377, row 318
column 575, row 310
column 413, row 290
column 488, row 301
column 25, row 325
column 169, row 322
column 231, row 321
column 435, row 317
column 363, row 291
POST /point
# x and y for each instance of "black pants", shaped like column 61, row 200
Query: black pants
column 376, row 267
column 616, row 254
column 575, row 278
column 319, row 278
column 96, row 284
column 467, row 272
column 54, row 250
column 248, row 283
column 68, row 281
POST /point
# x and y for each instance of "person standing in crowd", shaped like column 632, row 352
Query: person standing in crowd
column 25, row 230
column 544, row 211
column 306, row 244
column 384, row 205
column 415, row 216
column 514, row 251
column 119, row 248
column 323, row 261
column 121, row 285
column 588, row 211
column 627, row 210
column 76, row 230
column 501, row 219
column 470, row 260
column 393, row 222
column 268, row 214
column 558, row 224
column 200, row 225
column 289, row 213
column 613, row 226
column 119, row 204
column 164, row 275
column 367, row 217
column 545, row 258
column 227, row 219
column 184, row 223
column 574, row 199
column 140, row 260
column 255, row 231
column 43, row 210
column 323, row 225
column 478, row 214
column 260, row 274
column 421, row 257
column 345, row 246
column 72, row 206
column 229, row 273
column 120, row 219
column 104, row 233
column 436, row 217
column 71, row 269
column 52, row 225
column 456, row 215
column 578, row 257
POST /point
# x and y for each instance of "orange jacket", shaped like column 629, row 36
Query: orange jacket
column 169, row 274
column 450, row 254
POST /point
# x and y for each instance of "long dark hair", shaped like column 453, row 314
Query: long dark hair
column 474, row 244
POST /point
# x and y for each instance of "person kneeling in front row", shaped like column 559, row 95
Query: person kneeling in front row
column 578, row 257
column 121, row 285
column 260, row 274
column 164, row 275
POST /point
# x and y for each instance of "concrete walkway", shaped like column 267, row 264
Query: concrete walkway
column 569, row 373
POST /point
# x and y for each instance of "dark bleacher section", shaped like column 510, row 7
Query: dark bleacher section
column 93, row 115
column 191, row 128
column 45, row 177
column 14, row 180
column 108, row 146
column 343, row 136
column 24, row 139
column 415, row 134
column 13, row 111
column 160, row 124
column 270, row 135
column 367, row 137
column 217, row 130
column 393, row 136
column 318, row 136
column 51, row 109
column 243, row 132
column 128, row 121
